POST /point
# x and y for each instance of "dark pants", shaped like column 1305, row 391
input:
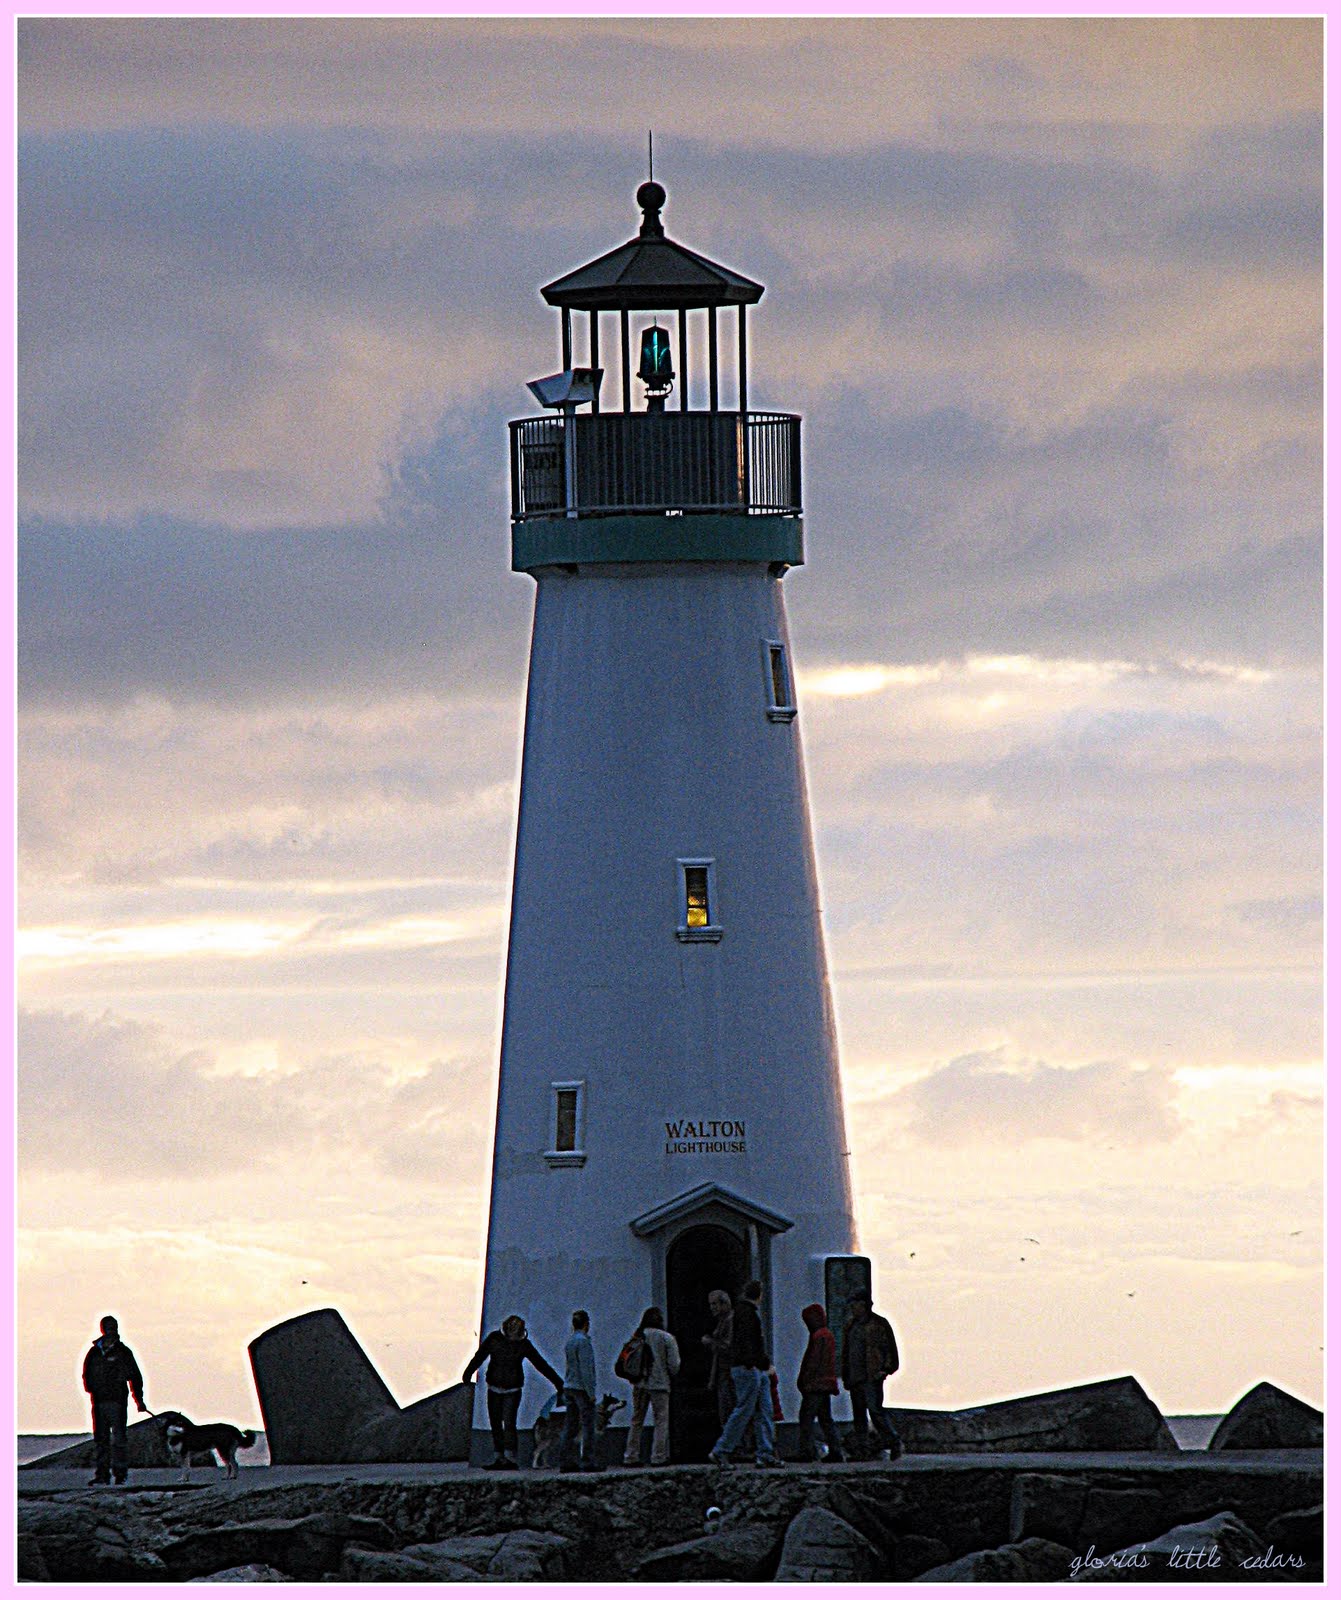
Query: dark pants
column 726, row 1398
column 503, row 1405
column 110, row 1456
column 581, row 1415
column 870, row 1396
column 817, row 1409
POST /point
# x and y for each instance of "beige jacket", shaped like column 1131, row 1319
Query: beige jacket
column 665, row 1358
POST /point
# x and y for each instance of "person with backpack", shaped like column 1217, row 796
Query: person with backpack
column 649, row 1361
column 750, row 1369
column 505, row 1349
column 818, row 1383
column 870, row 1355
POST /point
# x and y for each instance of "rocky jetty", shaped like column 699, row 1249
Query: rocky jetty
column 965, row 1520
column 1113, row 1414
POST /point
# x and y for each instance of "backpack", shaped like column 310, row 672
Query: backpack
column 635, row 1360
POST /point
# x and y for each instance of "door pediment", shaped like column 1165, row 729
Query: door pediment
column 696, row 1199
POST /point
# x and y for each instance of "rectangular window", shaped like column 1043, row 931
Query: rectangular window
column 778, row 682
column 567, row 1116
column 697, row 890
column 565, row 1120
column 696, row 897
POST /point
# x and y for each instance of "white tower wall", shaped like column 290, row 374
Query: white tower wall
column 648, row 741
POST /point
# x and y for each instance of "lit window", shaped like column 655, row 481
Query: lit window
column 698, row 901
column 566, row 1114
column 778, row 682
column 696, row 897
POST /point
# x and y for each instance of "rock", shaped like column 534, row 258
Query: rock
column 914, row 1554
column 521, row 1556
column 735, row 1555
column 254, row 1572
column 358, row 1565
column 308, row 1546
column 1029, row 1561
column 1298, row 1533
column 323, row 1401
column 91, row 1537
column 1045, row 1505
column 32, row 1566
column 1267, row 1418
column 1211, row 1551
column 820, row 1547
column 1114, row 1414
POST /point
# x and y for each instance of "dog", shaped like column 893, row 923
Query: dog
column 549, row 1431
column 186, row 1440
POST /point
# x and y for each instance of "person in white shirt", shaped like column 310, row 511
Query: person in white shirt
column 661, row 1361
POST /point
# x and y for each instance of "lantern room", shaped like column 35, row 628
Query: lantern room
column 670, row 434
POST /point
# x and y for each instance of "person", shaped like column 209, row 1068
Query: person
column 719, row 1343
column 663, row 1362
column 870, row 1355
column 579, row 1396
column 505, row 1349
column 818, row 1382
column 110, row 1373
column 749, row 1377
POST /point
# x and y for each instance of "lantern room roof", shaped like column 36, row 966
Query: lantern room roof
column 651, row 273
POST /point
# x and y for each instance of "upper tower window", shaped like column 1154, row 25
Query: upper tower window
column 778, row 682
column 698, row 897
column 567, row 1118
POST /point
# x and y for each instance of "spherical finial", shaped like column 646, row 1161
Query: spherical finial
column 651, row 197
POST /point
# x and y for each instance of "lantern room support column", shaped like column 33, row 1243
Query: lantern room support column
column 594, row 355
column 744, row 412
column 624, row 358
column 684, row 359
column 712, row 358
column 567, row 341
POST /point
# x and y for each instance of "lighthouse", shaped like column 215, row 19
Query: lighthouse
column 670, row 1115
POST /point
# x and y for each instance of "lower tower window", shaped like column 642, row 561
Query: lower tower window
column 698, row 902
column 566, row 1125
column 778, row 682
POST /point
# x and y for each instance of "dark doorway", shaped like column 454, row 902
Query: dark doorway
column 699, row 1259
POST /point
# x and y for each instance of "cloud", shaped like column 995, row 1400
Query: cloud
column 109, row 1097
column 985, row 1097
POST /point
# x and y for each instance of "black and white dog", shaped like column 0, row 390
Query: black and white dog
column 186, row 1439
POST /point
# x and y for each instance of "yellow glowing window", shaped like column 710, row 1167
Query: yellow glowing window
column 565, row 1119
column 696, row 897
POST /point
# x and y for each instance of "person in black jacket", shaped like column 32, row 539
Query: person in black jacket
column 110, row 1372
column 505, row 1349
column 749, row 1374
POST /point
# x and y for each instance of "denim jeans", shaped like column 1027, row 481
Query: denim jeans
column 754, row 1403
column 817, row 1411
column 110, row 1456
column 503, row 1405
column 870, row 1396
column 581, row 1416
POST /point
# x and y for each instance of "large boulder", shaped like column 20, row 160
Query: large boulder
column 1113, row 1414
column 1030, row 1561
column 1267, row 1418
column 1071, row 1511
column 323, row 1401
column 820, row 1547
column 308, row 1547
column 1215, row 1550
column 735, row 1555
column 253, row 1572
column 95, row 1537
column 915, row 1554
column 1298, row 1533
column 521, row 1556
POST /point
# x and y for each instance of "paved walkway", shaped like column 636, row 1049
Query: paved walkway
column 49, row 1480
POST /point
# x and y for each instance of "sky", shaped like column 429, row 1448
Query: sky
column 1048, row 295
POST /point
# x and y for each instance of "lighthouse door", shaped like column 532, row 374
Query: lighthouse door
column 702, row 1258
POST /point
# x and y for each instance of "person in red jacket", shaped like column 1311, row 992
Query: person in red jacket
column 818, row 1383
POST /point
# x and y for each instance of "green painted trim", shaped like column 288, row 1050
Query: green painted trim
column 709, row 536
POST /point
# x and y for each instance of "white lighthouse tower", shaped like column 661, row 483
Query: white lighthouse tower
column 670, row 1117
